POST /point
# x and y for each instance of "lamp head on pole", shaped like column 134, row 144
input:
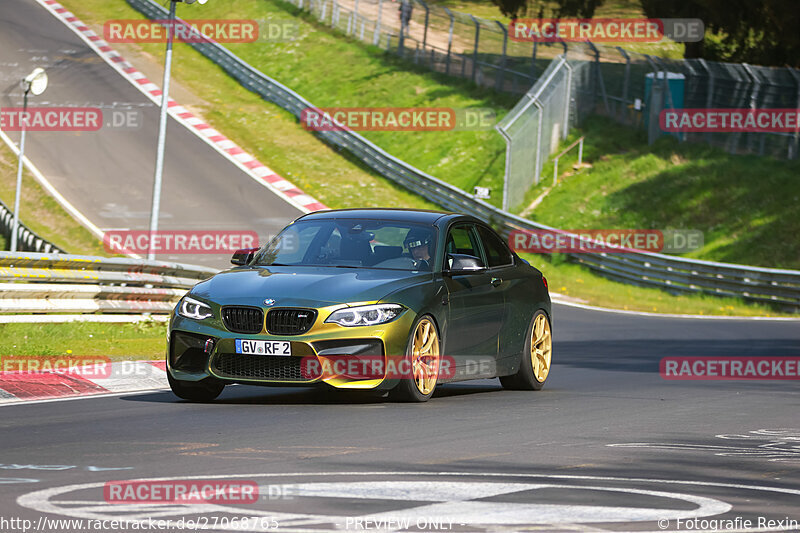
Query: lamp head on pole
column 35, row 82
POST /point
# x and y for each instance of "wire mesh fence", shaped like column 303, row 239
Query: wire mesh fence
column 443, row 40
column 620, row 82
column 537, row 124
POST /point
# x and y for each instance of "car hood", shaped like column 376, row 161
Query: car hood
column 303, row 286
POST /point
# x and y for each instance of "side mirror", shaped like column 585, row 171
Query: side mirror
column 243, row 256
column 463, row 264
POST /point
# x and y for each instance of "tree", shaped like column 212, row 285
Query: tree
column 563, row 8
column 742, row 31
column 511, row 8
column 577, row 8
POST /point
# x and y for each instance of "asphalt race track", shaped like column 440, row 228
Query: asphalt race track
column 607, row 445
column 108, row 174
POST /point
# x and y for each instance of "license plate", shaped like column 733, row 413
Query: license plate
column 254, row 347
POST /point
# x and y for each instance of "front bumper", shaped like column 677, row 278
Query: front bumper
column 343, row 357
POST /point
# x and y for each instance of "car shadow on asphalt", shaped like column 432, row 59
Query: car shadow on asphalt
column 644, row 355
column 254, row 395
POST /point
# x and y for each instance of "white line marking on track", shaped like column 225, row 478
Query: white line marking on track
column 85, row 397
column 776, row 445
column 556, row 301
column 46, row 501
column 59, row 319
column 45, row 183
column 153, row 93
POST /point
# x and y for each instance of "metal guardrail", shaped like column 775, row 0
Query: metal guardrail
column 40, row 283
column 766, row 285
column 27, row 240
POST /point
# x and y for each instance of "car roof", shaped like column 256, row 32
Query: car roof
column 424, row 216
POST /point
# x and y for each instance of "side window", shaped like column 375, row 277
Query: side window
column 461, row 240
column 497, row 253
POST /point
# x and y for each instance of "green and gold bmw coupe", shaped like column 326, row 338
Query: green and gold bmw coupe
column 381, row 299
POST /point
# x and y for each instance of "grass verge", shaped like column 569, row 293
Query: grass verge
column 748, row 207
column 331, row 71
column 609, row 9
column 265, row 130
column 41, row 213
column 582, row 286
column 320, row 63
column 135, row 341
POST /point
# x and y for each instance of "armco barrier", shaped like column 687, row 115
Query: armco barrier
column 27, row 240
column 40, row 283
column 780, row 287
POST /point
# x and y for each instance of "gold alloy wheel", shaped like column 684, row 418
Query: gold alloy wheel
column 541, row 347
column 425, row 356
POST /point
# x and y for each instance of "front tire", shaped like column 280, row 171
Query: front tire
column 536, row 358
column 205, row 390
column 421, row 362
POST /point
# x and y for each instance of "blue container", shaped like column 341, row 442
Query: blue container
column 676, row 83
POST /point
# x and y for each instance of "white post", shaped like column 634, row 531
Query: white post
column 555, row 172
column 376, row 37
column 15, row 225
column 538, row 164
column 162, row 132
column 567, row 103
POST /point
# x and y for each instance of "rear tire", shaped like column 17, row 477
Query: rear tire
column 205, row 390
column 421, row 363
column 536, row 358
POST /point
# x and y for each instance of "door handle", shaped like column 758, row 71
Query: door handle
column 496, row 282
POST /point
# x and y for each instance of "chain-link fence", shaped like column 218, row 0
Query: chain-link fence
column 627, row 86
column 633, row 89
column 535, row 126
column 443, row 40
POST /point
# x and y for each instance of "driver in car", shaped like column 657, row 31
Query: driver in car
column 418, row 244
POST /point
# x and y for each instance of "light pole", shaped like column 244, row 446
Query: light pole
column 36, row 83
column 162, row 127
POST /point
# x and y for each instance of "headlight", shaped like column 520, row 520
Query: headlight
column 366, row 315
column 191, row 308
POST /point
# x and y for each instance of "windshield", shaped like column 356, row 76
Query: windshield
column 352, row 243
